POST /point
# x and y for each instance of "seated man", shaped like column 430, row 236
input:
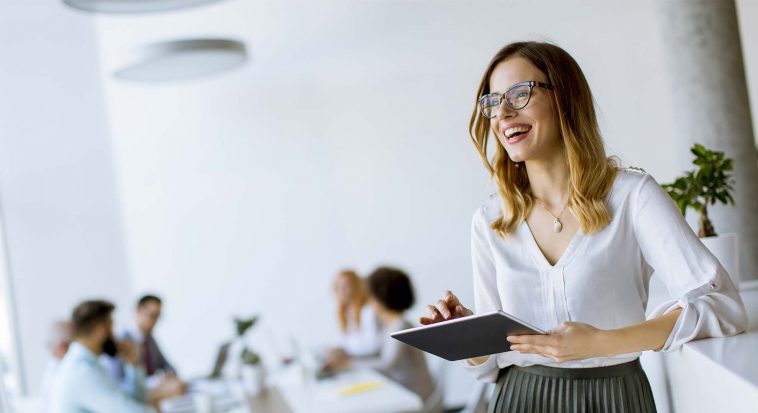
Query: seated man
column 162, row 381
column 60, row 339
column 146, row 317
column 81, row 384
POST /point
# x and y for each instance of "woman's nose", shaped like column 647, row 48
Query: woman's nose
column 504, row 111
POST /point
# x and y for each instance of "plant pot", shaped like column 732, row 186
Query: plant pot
column 724, row 247
column 253, row 379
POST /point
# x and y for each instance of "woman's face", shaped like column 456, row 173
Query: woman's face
column 537, row 118
column 343, row 288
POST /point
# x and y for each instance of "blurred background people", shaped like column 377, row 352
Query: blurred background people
column 162, row 381
column 58, row 343
column 146, row 316
column 81, row 384
column 390, row 294
column 360, row 332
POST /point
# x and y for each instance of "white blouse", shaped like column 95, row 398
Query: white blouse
column 363, row 341
column 602, row 279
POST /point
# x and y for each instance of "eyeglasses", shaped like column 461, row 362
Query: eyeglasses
column 516, row 97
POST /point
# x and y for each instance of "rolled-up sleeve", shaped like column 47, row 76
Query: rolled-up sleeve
column 711, row 305
column 486, row 296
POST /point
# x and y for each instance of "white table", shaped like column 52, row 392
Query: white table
column 304, row 395
column 713, row 374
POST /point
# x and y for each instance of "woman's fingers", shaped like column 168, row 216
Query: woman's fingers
column 446, row 309
column 455, row 304
column 461, row 311
column 532, row 349
column 451, row 299
column 554, row 346
column 458, row 311
column 443, row 309
column 433, row 312
column 536, row 339
column 433, row 317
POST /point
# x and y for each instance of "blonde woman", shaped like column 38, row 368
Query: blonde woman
column 569, row 244
column 360, row 332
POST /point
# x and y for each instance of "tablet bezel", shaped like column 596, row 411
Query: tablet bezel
column 432, row 345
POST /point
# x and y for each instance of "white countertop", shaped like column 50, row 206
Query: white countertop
column 709, row 374
column 739, row 354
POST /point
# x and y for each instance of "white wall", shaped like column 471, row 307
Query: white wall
column 342, row 143
column 747, row 14
column 60, row 208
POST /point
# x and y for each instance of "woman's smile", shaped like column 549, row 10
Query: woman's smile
column 515, row 132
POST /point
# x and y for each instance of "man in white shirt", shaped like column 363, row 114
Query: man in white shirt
column 81, row 384
column 60, row 339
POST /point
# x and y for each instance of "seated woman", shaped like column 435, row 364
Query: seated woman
column 391, row 294
column 360, row 332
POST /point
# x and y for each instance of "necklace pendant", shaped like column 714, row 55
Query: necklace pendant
column 557, row 226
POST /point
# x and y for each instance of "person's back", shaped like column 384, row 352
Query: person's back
column 73, row 389
column 81, row 384
column 405, row 364
column 391, row 294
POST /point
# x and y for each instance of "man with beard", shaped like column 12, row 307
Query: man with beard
column 82, row 385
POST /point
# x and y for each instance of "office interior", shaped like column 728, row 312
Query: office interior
column 306, row 137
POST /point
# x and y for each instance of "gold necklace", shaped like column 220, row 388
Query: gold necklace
column 557, row 225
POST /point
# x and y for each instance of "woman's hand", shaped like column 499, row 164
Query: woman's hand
column 570, row 341
column 337, row 359
column 446, row 309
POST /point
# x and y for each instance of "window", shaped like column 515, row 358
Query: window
column 9, row 371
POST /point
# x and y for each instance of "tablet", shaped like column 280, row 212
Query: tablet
column 467, row 337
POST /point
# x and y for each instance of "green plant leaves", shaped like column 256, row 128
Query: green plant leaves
column 710, row 183
column 244, row 324
column 250, row 357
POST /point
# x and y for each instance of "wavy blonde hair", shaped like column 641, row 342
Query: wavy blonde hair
column 591, row 172
column 356, row 301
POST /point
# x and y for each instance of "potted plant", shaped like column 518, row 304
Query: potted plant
column 251, row 370
column 710, row 183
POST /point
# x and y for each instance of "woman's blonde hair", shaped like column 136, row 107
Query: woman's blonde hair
column 591, row 172
column 356, row 302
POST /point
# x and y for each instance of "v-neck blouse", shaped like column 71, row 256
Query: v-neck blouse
column 602, row 278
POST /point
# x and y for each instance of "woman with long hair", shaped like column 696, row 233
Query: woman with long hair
column 569, row 243
column 360, row 332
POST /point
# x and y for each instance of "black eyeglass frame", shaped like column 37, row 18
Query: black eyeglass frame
column 531, row 83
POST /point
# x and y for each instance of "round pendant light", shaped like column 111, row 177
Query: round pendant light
column 134, row 6
column 184, row 59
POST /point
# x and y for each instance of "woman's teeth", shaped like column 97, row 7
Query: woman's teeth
column 511, row 132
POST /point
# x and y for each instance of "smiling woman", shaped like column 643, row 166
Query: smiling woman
column 580, row 264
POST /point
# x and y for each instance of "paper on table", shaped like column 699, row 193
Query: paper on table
column 359, row 388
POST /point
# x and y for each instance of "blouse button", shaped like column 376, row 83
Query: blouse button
column 713, row 286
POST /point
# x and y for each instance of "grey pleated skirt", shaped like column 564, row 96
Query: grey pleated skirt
column 622, row 388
